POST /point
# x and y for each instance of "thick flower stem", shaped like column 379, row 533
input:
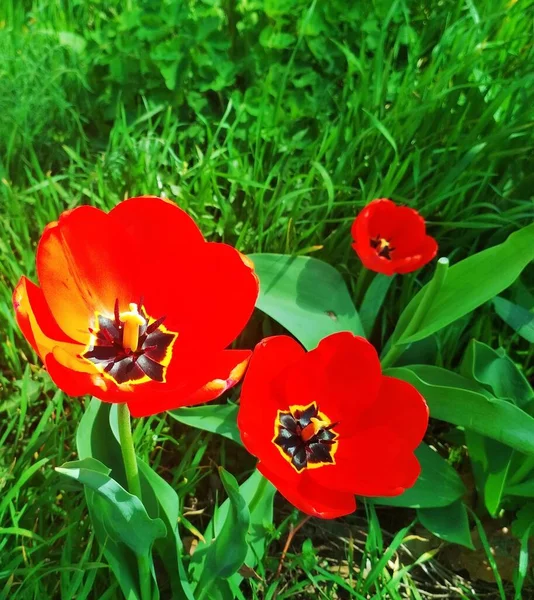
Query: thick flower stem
column 134, row 486
column 432, row 291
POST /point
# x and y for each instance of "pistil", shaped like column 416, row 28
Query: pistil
column 313, row 428
column 132, row 321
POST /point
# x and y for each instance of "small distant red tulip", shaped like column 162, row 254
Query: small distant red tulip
column 327, row 425
column 392, row 239
column 135, row 306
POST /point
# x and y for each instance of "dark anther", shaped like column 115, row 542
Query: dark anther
column 116, row 312
column 304, row 450
column 382, row 246
column 153, row 326
column 124, row 365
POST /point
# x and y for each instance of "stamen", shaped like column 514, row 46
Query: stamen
column 132, row 321
column 116, row 312
column 313, row 428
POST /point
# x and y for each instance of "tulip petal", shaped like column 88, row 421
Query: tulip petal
column 210, row 377
column 342, row 376
column 260, row 399
column 85, row 266
column 403, row 230
column 309, row 497
column 36, row 321
column 372, row 463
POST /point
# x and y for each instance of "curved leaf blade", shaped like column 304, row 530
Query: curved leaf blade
column 307, row 296
column 470, row 283
column 450, row 523
column 215, row 418
column 125, row 516
column 452, row 398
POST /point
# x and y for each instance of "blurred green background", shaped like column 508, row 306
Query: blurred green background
column 272, row 122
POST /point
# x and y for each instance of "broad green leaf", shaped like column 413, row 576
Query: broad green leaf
column 524, row 489
column 258, row 493
column 438, row 485
column 125, row 516
column 305, row 295
column 470, row 283
column 215, row 418
column 495, row 370
column 94, row 439
column 228, row 550
column 373, row 300
column 452, row 398
column 161, row 500
column 491, row 462
column 520, row 319
column 524, row 521
column 97, row 437
column 450, row 523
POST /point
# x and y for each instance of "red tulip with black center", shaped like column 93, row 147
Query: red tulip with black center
column 135, row 306
column 326, row 425
column 392, row 239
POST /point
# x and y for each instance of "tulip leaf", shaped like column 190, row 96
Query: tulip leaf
column 161, row 499
column 491, row 462
column 227, row 551
column 258, row 493
column 94, row 439
column 438, row 484
column 97, row 437
column 454, row 399
column 491, row 459
column 497, row 372
column 520, row 319
column 373, row 301
column 215, row 418
column 305, row 295
column 469, row 284
column 524, row 489
column 450, row 523
column 124, row 517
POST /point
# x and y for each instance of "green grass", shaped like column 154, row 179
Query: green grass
column 277, row 122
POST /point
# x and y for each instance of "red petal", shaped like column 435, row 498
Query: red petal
column 426, row 251
column 36, row 321
column 342, row 375
column 84, row 265
column 207, row 294
column 260, row 399
column 163, row 228
column 206, row 290
column 377, row 457
column 309, row 497
column 206, row 380
column 371, row 463
column 402, row 409
column 79, row 383
column 403, row 227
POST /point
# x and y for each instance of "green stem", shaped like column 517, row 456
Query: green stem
column 432, row 291
column 134, row 487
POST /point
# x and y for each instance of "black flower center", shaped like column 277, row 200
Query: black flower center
column 131, row 347
column 382, row 246
column 305, row 437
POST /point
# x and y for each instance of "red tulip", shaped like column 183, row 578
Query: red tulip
column 135, row 306
column 326, row 424
column 392, row 239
